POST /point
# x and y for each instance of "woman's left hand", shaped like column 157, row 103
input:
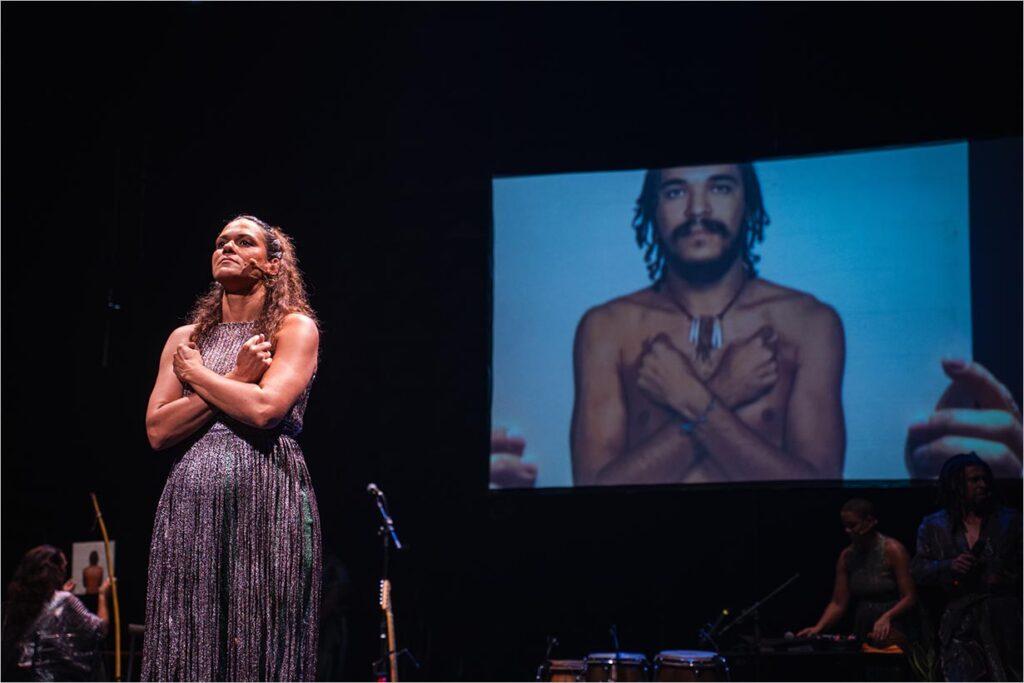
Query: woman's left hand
column 187, row 360
column 69, row 585
column 881, row 630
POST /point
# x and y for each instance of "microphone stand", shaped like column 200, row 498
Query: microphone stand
column 387, row 528
column 545, row 668
column 388, row 535
column 614, row 630
column 708, row 632
column 754, row 612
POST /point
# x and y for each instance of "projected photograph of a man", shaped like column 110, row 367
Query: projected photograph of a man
column 711, row 373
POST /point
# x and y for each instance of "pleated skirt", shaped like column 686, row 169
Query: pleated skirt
column 235, row 564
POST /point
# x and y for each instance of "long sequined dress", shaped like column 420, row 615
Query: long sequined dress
column 234, row 565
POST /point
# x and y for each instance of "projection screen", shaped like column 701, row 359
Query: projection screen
column 871, row 245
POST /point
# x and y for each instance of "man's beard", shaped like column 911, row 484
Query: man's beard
column 703, row 272
column 982, row 506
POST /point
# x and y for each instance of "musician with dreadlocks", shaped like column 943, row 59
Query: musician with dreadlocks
column 711, row 373
column 971, row 550
column 234, row 568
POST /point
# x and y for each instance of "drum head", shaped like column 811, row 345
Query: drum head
column 686, row 657
column 689, row 666
column 610, row 658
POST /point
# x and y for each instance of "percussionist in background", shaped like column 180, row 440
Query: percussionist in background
column 874, row 570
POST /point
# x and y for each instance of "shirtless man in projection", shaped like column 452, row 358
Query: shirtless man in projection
column 710, row 374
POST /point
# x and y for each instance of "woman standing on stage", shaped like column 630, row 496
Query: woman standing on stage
column 234, row 568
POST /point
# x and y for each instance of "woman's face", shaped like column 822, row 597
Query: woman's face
column 62, row 562
column 240, row 244
column 856, row 526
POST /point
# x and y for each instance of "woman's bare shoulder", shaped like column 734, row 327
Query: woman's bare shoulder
column 298, row 330
column 299, row 323
column 180, row 335
column 894, row 548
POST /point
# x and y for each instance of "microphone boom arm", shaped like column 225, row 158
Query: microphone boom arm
column 753, row 608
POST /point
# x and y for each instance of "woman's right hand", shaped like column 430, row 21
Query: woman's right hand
column 808, row 632
column 253, row 360
column 105, row 587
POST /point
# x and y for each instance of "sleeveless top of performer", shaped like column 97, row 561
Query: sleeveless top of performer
column 235, row 564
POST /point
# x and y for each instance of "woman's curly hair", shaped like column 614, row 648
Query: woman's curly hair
column 285, row 292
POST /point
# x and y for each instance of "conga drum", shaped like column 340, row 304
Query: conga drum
column 561, row 670
column 689, row 665
column 616, row 666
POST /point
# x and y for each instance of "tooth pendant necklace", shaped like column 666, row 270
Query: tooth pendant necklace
column 706, row 330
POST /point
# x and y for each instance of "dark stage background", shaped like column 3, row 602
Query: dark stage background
column 370, row 133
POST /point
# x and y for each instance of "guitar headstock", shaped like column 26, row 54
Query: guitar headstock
column 385, row 595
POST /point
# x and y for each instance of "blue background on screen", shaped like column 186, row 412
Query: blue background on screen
column 881, row 236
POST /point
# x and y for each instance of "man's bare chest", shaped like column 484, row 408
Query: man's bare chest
column 765, row 412
column 732, row 332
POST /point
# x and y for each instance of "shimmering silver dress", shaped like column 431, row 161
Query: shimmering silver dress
column 63, row 642
column 234, row 566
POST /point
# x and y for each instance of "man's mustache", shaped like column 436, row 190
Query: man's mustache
column 709, row 224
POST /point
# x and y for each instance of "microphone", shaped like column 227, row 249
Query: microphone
column 252, row 265
column 382, row 505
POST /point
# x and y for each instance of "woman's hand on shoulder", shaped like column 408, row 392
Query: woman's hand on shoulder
column 187, row 359
column 253, row 360
column 295, row 354
column 168, row 373
column 292, row 369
